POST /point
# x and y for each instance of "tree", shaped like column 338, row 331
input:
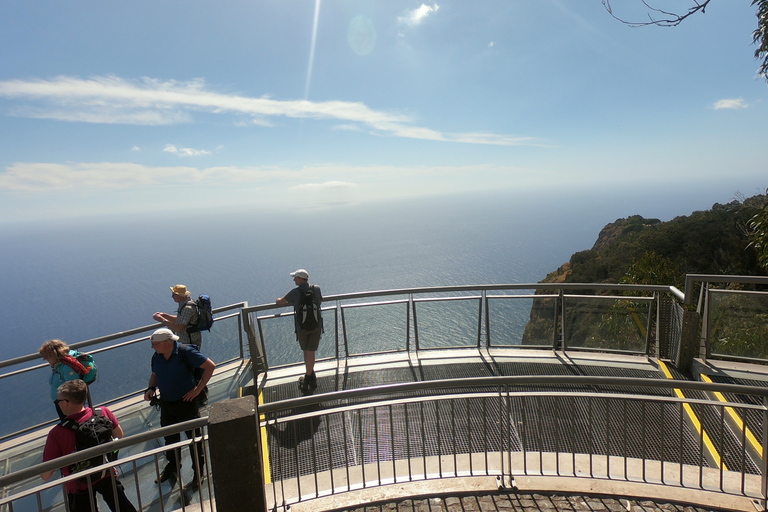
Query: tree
column 663, row 18
column 757, row 234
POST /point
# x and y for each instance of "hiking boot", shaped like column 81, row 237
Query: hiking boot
column 312, row 381
column 304, row 384
column 169, row 473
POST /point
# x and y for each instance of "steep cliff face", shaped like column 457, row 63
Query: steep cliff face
column 636, row 249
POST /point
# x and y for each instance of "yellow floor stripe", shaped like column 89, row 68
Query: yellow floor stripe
column 737, row 420
column 710, row 446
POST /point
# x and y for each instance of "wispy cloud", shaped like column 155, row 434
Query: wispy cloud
column 153, row 102
column 730, row 104
column 170, row 148
column 416, row 16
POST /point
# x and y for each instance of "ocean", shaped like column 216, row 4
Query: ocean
column 80, row 279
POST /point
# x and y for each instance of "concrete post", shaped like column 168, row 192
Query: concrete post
column 234, row 439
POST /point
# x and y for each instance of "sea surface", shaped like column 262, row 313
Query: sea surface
column 80, row 279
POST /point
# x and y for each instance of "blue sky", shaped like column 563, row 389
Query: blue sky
column 107, row 108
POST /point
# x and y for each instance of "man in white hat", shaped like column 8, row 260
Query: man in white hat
column 185, row 318
column 308, row 323
column 173, row 374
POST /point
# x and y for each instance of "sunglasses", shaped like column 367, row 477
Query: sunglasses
column 58, row 400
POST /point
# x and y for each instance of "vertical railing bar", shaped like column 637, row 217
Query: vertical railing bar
column 681, row 412
column 336, row 329
column 573, row 439
column 501, row 440
column 376, row 438
column 744, row 453
column 362, row 447
column 423, row 438
column 487, row 319
column 523, row 433
column 540, row 430
column 328, row 446
column 662, row 435
column 347, row 460
column 315, row 463
column 509, row 429
column 480, row 319
column 415, row 326
column 556, row 421
column 408, row 454
column 643, row 444
column 469, row 438
column 590, row 437
column 701, row 457
column 485, row 435
column 722, row 444
column 624, row 438
column 608, row 438
column 453, row 438
column 408, row 322
column 439, row 439
column 392, row 444
column 344, row 332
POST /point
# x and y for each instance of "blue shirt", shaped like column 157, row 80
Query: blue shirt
column 174, row 375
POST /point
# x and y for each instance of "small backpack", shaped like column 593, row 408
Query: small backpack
column 87, row 361
column 204, row 315
column 309, row 317
column 94, row 431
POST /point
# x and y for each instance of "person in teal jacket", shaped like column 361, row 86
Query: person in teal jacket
column 64, row 367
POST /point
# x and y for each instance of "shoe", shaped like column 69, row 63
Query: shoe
column 313, row 381
column 169, row 473
column 304, row 385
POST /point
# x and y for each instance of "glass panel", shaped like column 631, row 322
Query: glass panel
column 379, row 328
column 738, row 324
column 448, row 323
column 521, row 321
column 615, row 324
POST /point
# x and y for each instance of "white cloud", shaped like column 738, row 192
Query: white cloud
column 135, row 148
column 327, row 185
column 152, row 102
column 170, row 148
column 730, row 104
column 416, row 16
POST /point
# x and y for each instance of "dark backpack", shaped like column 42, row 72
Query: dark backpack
column 94, row 431
column 204, row 320
column 309, row 316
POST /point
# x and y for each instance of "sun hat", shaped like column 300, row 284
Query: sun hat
column 180, row 289
column 300, row 273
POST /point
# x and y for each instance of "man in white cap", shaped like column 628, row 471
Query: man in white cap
column 184, row 322
column 173, row 374
column 306, row 299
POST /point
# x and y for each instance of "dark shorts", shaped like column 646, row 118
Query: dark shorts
column 309, row 340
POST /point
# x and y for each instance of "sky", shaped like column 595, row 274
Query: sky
column 109, row 108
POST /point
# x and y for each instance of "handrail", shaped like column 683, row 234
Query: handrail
column 301, row 403
column 486, row 287
column 691, row 279
column 109, row 337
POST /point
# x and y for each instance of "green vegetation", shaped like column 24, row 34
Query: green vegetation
column 728, row 239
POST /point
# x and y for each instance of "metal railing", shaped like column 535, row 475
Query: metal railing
column 560, row 316
column 734, row 323
column 224, row 343
column 140, row 464
column 602, row 428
